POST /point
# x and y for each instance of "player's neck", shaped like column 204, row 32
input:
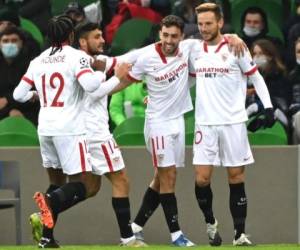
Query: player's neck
column 215, row 41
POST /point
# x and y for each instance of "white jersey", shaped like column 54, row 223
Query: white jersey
column 96, row 113
column 167, row 81
column 61, row 96
column 221, row 82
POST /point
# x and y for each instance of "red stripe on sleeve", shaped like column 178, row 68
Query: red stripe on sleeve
column 83, row 72
column 192, row 74
column 26, row 79
column 106, row 155
column 250, row 72
column 82, row 157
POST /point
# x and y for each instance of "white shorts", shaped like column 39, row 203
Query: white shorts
column 106, row 157
column 166, row 142
column 222, row 145
column 68, row 153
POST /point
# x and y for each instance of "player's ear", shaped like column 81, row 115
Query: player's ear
column 82, row 42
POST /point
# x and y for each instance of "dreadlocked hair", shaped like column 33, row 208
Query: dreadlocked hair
column 59, row 30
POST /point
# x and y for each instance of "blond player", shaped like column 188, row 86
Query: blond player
column 220, row 116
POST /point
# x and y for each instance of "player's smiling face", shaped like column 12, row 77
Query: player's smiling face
column 209, row 26
column 170, row 38
column 95, row 42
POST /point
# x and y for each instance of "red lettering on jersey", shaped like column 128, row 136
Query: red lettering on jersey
column 198, row 137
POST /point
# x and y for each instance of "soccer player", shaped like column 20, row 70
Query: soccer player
column 106, row 157
column 61, row 75
column 220, row 116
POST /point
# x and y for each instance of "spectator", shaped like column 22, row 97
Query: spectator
column 254, row 24
column 14, row 61
column 267, row 58
column 293, row 19
column 8, row 18
column 294, row 78
column 76, row 12
column 128, row 103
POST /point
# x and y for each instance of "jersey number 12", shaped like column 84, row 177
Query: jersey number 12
column 58, row 88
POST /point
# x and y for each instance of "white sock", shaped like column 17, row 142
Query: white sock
column 136, row 228
column 175, row 235
column 126, row 240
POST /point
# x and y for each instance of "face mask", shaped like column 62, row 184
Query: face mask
column 249, row 31
column 298, row 61
column 10, row 50
column 260, row 61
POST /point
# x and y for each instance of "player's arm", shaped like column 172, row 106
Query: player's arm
column 251, row 71
column 261, row 89
column 106, row 87
column 22, row 92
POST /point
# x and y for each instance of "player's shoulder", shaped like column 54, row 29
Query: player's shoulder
column 190, row 43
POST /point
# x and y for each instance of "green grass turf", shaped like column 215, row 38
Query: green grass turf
column 164, row 247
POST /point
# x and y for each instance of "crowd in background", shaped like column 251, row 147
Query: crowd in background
column 278, row 59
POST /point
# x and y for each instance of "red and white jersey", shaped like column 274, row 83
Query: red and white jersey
column 221, row 82
column 166, row 79
column 61, row 96
column 96, row 113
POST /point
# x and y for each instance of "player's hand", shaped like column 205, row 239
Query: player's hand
column 269, row 118
column 262, row 120
column 121, row 70
column 3, row 102
column 236, row 44
column 98, row 65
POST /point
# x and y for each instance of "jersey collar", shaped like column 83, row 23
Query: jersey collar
column 223, row 42
column 161, row 54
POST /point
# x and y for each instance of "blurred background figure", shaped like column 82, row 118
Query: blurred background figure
column 270, row 65
column 14, row 61
column 254, row 23
column 128, row 103
column 294, row 77
column 9, row 17
column 76, row 12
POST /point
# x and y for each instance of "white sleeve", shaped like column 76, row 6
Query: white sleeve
column 105, row 88
column 22, row 92
column 246, row 64
column 261, row 89
column 138, row 71
column 90, row 81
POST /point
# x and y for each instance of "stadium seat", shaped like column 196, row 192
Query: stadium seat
column 58, row 6
column 10, row 180
column 269, row 136
column 239, row 6
column 130, row 132
column 30, row 27
column 18, row 131
column 130, row 35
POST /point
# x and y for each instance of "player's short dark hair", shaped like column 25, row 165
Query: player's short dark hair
column 59, row 30
column 210, row 7
column 13, row 30
column 172, row 20
column 82, row 29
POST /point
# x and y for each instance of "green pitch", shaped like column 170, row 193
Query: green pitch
column 163, row 247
